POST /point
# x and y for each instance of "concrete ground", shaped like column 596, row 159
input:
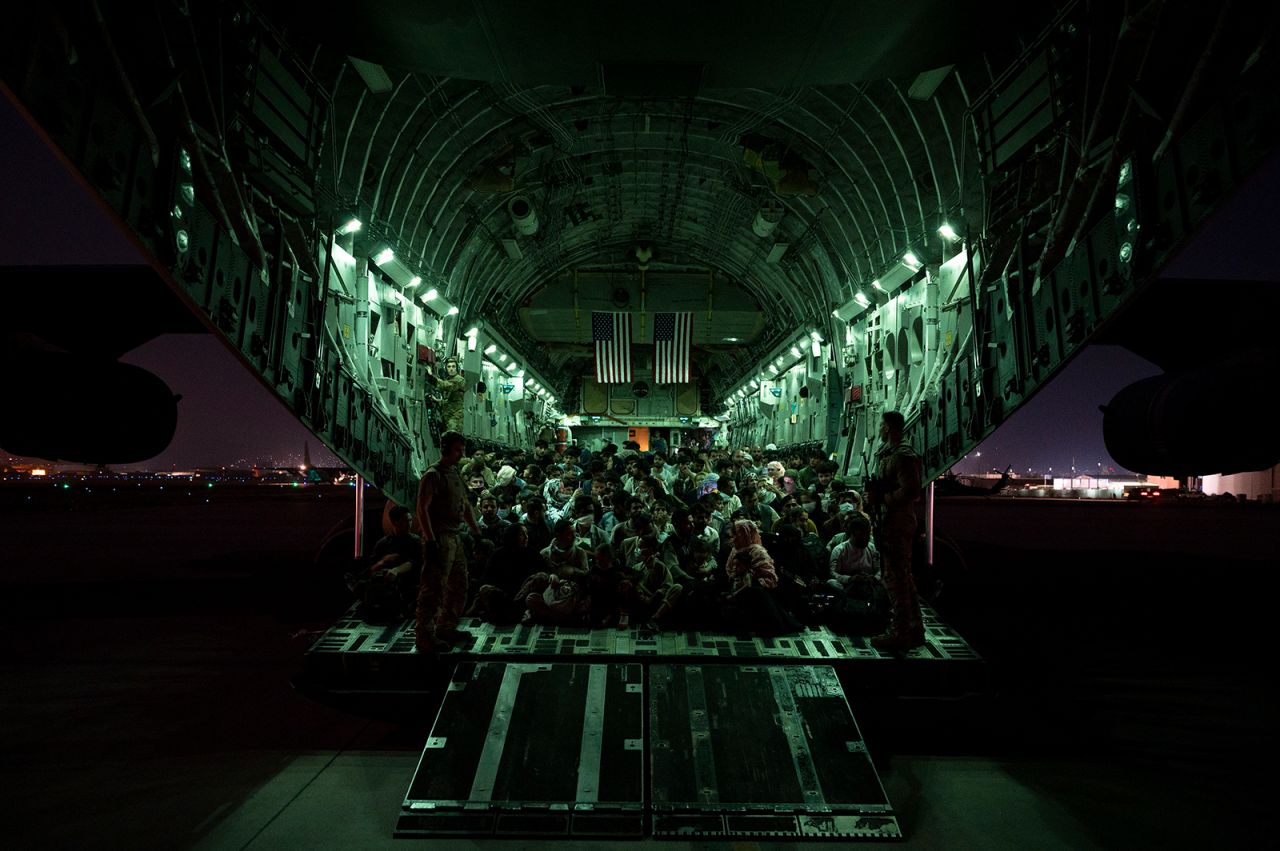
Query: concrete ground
column 147, row 701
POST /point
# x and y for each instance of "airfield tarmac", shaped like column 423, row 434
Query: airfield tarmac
column 147, row 699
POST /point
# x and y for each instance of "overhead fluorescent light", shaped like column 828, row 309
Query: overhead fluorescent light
column 431, row 294
column 853, row 307
column 490, row 349
column 472, row 331
column 350, row 226
column 948, row 233
column 386, row 255
column 414, row 281
column 453, row 311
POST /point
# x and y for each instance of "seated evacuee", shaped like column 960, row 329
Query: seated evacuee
column 492, row 527
column 655, row 592
column 498, row 600
column 397, row 557
column 855, row 558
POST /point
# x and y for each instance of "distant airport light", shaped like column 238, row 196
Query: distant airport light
column 911, row 260
column 948, row 233
column 732, row 340
column 350, row 226
column 386, row 255
column 490, row 349
column 431, row 294
column 453, row 311
column 414, row 281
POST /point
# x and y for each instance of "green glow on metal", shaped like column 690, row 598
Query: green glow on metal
column 183, row 240
column 188, row 193
column 1126, row 252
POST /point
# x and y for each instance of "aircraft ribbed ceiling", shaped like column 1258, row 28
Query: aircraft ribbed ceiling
column 661, row 130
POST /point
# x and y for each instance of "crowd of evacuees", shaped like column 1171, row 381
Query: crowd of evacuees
column 749, row 541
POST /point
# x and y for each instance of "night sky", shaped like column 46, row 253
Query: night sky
column 46, row 218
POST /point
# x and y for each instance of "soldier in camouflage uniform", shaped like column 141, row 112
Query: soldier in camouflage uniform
column 893, row 495
column 451, row 387
column 441, row 509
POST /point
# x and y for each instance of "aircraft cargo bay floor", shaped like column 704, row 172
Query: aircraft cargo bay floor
column 353, row 656
column 629, row 732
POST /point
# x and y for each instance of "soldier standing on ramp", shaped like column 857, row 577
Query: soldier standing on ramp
column 893, row 493
column 441, row 509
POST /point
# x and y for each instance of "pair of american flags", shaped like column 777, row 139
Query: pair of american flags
column 672, row 347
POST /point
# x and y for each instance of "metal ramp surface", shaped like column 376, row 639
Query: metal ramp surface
column 533, row 750
column 560, row 749
column 760, row 752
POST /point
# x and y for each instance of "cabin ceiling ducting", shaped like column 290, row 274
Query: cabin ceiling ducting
column 521, row 142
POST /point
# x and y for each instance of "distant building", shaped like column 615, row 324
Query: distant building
column 1262, row 485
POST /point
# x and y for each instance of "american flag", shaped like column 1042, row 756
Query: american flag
column 612, row 335
column 672, row 347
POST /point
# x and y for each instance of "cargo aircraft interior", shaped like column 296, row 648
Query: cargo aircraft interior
column 849, row 208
